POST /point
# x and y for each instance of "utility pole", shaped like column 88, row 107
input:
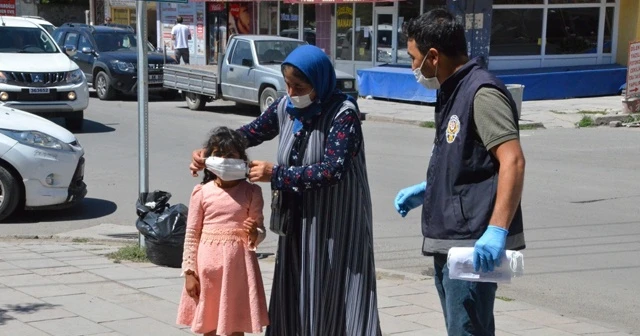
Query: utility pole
column 143, row 103
column 92, row 12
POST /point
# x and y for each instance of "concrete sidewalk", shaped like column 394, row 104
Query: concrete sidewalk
column 66, row 288
column 564, row 113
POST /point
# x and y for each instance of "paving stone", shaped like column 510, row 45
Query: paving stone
column 144, row 326
column 160, row 310
column 24, row 280
column 511, row 323
column 404, row 310
column 386, row 302
column 431, row 319
column 164, row 272
column 93, row 308
column 540, row 316
column 107, row 334
column 543, row 332
column 37, row 263
column 10, row 327
column 121, row 272
column 49, row 248
column 136, row 297
column 505, row 306
column 109, row 291
column 422, row 332
column 581, row 328
column 74, row 254
column 76, row 278
column 21, row 256
column 400, row 290
column 72, row 326
column 15, row 271
column 427, row 300
column 57, row 270
column 89, row 261
column 10, row 296
column 146, row 283
column 50, row 290
column 169, row 293
column 39, row 312
column 382, row 283
column 7, row 265
column 391, row 324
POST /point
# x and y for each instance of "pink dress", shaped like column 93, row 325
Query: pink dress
column 216, row 248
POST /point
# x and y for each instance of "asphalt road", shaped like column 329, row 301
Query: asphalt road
column 581, row 200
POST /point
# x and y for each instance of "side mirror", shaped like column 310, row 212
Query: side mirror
column 70, row 50
column 247, row 62
column 87, row 50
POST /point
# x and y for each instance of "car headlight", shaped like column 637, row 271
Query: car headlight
column 123, row 66
column 347, row 85
column 75, row 76
column 36, row 139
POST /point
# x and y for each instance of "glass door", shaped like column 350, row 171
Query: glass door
column 385, row 36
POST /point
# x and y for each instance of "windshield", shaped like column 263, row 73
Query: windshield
column 49, row 28
column 274, row 52
column 25, row 40
column 117, row 41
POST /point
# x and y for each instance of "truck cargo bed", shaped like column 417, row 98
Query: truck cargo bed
column 199, row 79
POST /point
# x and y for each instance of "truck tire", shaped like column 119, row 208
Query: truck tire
column 194, row 101
column 267, row 97
column 74, row 123
column 102, row 84
column 9, row 193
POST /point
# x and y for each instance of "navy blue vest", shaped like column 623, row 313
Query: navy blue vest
column 462, row 177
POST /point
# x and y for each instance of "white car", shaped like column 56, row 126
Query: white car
column 41, row 22
column 37, row 76
column 41, row 164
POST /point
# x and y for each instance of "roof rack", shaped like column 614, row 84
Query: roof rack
column 118, row 25
column 78, row 25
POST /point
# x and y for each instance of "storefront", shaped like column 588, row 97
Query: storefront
column 124, row 12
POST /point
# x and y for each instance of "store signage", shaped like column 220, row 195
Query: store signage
column 633, row 70
column 8, row 7
column 216, row 7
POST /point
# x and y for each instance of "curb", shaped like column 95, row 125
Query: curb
column 526, row 125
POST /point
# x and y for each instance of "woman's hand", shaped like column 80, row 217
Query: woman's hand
column 197, row 162
column 260, row 171
column 192, row 285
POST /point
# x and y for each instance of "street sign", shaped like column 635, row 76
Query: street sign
column 633, row 70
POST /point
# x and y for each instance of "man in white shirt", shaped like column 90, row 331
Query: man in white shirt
column 180, row 34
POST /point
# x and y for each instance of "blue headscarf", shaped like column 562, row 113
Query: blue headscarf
column 317, row 67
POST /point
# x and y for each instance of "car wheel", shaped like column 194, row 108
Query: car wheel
column 9, row 193
column 103, row 86
column 267, row 97
column 75, row 122
column 194, row 101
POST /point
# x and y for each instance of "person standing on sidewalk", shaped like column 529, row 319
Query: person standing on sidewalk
column 475, row 177
column 180, row 34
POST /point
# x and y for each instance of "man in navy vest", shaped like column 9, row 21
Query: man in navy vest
column 471, row 196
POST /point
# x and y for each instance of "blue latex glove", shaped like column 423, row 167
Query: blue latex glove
column 489, row 249
column 410, row 198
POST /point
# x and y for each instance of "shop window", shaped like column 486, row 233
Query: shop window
column 364, row 32
column 518, row 2
column 344, row 31
column 289, row 20
column 516, row 32
column 433, row 4
column 268, row 18
column 407, row 10
column 608, row 29
column 309, row 31
column 572, row 30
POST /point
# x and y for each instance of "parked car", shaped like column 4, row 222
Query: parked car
column 37, row 77
column 41, row 164
column 250, row 73
column 109, row 59
column 41, row 22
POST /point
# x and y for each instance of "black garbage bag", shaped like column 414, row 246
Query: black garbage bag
column 163, row 227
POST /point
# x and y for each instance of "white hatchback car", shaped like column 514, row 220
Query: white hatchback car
column 41, row 164
column 37, row 76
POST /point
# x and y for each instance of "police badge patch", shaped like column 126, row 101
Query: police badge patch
column 453, row 127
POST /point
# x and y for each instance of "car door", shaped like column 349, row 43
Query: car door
column 85, row 56
column 241, row 73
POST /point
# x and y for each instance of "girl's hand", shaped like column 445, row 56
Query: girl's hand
column 197, row 162
column 260, row 171
column 192, row 285
column 251, row 228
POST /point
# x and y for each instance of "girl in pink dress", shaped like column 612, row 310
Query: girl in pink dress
column 224, row 293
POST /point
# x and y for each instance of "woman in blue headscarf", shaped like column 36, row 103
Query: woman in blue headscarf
column 324, row 282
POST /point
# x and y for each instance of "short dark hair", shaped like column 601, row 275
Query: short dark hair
column 437, row 29
column 224, row 140
column 179, row 19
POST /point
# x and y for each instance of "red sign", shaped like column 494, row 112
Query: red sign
column 200, row 31
column 7, row 7
column 216, row 7
column 633, row 70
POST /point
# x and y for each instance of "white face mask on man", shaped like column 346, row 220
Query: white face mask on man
column 227, row 169
column 430, row 83
column 301, row 101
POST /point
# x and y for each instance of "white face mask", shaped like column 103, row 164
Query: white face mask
column 227, row 169
column 429, row 83
column 301, row 101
